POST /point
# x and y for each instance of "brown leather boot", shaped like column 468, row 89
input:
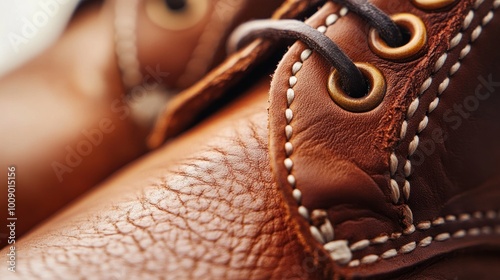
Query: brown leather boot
column 83, row 109
column 397, row 182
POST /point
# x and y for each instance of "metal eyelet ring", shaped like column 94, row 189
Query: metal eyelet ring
column 182, row 19
column 418, row 39
column 374, row 97
column 432, row 4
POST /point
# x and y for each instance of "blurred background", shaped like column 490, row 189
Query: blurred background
column 28, row 27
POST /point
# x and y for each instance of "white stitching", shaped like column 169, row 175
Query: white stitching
column 360, row 245
column 468, row 20
column 459, row 234
column 491, row 214
column 330, row 20
column 478, row 3
column 455, row 68
column 325, row 233
column 487, row 18
column 426, row 225
column 394, row 163
column 389, row 254
column 413, row 146
column 474, row 232
column 405, row 249
column 406, row 188
column 297, row 195
column 380, row 240
column 451, row 218
column 464, row 217
column 440, row 62
column 444, row 85
column 427, row 241
column 478, row 215
column 442, row 237
column 319, row 234
column 369, row 259
column 395, row 191
column 455, row 41
column 304, row 212
column 410, row 230
column 439, row 221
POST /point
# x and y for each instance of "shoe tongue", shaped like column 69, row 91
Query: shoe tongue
column 355, row 167
column 316, row 147
column 187, row 106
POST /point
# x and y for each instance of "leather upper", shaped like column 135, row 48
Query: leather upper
column 218, row 201
column 394, row 181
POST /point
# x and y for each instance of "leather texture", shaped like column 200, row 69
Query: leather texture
column 394, row 207
column 67, row 122
column 216, row 202
column 204, row 206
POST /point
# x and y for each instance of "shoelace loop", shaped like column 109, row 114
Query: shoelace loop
column 350, row 76
column 377, row 19
column 351, row 79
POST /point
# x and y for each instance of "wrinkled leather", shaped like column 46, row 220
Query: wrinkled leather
column 205, row 206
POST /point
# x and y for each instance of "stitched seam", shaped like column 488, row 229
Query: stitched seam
column 424, row 226
column 414, row 106
column 428, row 240
column 414, row 144
column 325, row 233
column 339, row 250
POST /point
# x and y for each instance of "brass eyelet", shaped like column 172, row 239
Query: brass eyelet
column 432, row 4
column 418, row 39
column 374, row 97
column 182, row 19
